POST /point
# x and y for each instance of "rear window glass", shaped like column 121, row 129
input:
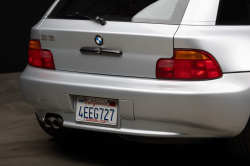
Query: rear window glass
column 148, row 11
column 234, row 12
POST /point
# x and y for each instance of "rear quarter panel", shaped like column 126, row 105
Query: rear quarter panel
column 228, row 44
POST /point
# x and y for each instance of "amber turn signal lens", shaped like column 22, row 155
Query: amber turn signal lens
column 186, row 54
column 35, row 44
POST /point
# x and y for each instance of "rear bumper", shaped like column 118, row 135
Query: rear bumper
column 197, row 109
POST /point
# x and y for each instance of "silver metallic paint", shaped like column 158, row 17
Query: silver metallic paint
column 201, row 12
column 197, row 23
column 34, row 30
column 66, row 102
column 126, row 109
column 142, row 45
column 214, row 108
column 228, row 44
column 41, row 96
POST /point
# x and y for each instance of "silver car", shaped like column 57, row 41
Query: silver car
column 173, row 70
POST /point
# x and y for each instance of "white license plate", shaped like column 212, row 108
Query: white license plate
column 96, row 110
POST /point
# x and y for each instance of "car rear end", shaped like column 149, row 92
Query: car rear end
column 167, row 68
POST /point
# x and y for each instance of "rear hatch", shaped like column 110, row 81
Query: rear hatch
column 141, row 30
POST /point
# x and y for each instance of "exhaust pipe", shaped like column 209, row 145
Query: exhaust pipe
column 48, row 121
column 57, row 123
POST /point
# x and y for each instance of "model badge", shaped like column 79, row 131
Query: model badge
column 49, row 37
column 99, row 40
column 44, row 37
column 52, row 37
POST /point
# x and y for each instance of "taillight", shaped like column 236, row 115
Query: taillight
column 39, row 57
column 189, row 65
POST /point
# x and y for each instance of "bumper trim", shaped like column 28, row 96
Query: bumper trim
column 121, row 130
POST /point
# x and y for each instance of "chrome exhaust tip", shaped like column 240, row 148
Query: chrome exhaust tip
column 48, row 121
column 57, row 123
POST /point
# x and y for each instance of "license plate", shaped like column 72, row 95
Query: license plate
column 96, row 110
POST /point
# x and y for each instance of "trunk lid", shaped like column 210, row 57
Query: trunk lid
column 142, row 45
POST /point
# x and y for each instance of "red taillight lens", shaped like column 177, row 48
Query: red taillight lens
column 188, row 64
column 39, row 57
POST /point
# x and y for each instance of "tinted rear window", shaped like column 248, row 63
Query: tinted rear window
column 234, row 12
column 149, row 11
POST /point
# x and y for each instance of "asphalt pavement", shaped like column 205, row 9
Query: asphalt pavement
column 23, row 142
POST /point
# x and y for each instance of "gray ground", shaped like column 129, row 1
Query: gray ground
column 22, row 142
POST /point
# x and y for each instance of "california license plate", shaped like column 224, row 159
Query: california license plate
column 96, row 110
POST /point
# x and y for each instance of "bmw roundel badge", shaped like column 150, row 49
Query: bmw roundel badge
column 99, row 40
